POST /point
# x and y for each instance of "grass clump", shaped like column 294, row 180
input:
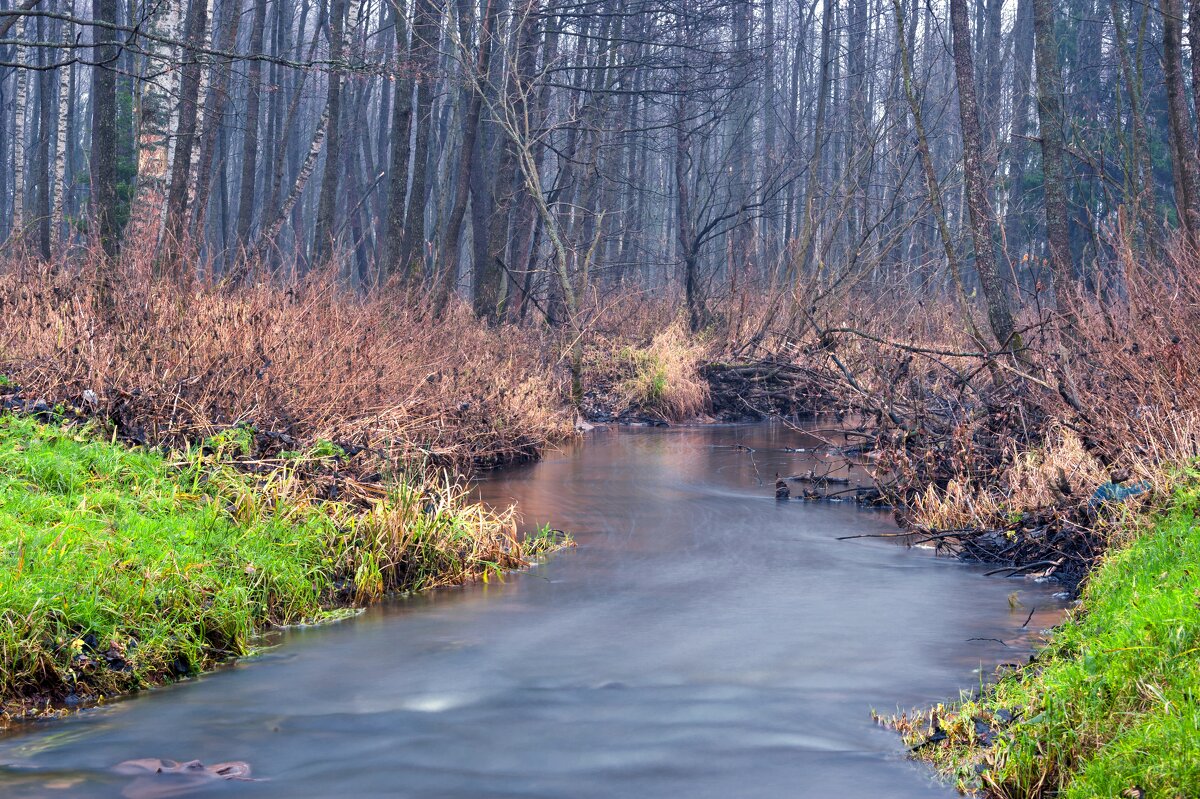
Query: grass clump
column 1111, row 707
column 664, row 377
column 121, row 568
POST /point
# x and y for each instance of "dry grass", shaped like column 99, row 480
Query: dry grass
column 980, row 439
column 963, row 435
column 421, row 537
column 663, row 378
column 170, row 364
column 1033, row 479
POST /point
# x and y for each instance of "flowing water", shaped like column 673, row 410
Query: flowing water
column 702, row 641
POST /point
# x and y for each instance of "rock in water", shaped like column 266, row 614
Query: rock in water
column 781, row 488
column 159, row 779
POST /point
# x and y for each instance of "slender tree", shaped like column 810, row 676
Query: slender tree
column 393, row 235
column 425, row 35
column 104, row 138
column 994, row 289
column 1049, row 80
column 323, row 236
column 1183, row 142
column 250, row 135
column 185, row 134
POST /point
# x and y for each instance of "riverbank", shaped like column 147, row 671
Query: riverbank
column 1111, row 706
column 126, row 567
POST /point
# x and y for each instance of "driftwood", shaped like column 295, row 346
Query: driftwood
column 919, row 418
column 763, row 389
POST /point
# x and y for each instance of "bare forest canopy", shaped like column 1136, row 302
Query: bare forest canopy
column 530, row 153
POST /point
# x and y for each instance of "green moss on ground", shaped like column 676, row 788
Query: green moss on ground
column 121, row 568
column 1111, row 707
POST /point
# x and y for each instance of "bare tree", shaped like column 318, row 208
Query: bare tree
column 185, row 135
column 1050, row 124
column 978, row 206
column 1183, row 142
column 323, row 236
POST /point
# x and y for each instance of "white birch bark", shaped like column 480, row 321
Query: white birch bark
column 210, row 34
column 158, row 88
column 269, row 232
column 61, row 141
column 174, row 27
column 175, row 31
column 18, row 145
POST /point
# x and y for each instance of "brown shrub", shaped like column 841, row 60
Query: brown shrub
column 308, row 360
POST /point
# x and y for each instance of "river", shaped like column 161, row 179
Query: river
column 703, row 640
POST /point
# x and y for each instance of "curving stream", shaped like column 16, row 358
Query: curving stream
column 702, row 641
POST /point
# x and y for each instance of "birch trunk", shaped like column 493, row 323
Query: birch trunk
column 269, row 232
column 157, row 111
column 62, row 138
column 20, row 100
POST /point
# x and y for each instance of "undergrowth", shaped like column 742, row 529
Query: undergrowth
column 122, row 567
column 170, row 363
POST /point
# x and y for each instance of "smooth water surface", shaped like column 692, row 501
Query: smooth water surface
column 702, row 641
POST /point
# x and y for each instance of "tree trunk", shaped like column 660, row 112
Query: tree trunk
column 250, row 136
column 1183, row 143
column 994, row 289
column 1138, row 167
column 271, row 229
column 326, row 206
column 393, row 235
column 932, row 186
column 41, row 177
column 104, row 141
column 490, row 297
column 214, row 111
column 684, row 229
column 472, row 99
column 808, row 234
column 62, row 141
column 20, row 101
column 1018, row 144
column 1050, row 122
column 424, row 51
column 1194, row 44
column 185, row 135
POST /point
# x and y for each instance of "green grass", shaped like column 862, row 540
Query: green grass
column 121, row 568
column 1112, row 705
